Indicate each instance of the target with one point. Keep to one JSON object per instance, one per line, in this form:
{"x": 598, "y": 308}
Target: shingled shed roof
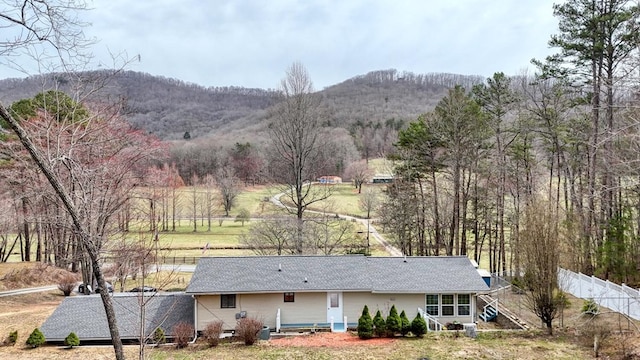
{"x": 263, "y": 274}
{"x": 85, "y": 315}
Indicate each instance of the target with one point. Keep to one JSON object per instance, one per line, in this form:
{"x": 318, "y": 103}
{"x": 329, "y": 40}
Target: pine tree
{"x": 72, "y": 340}
{"x": 365, "y": 324}
{"x": 393, "y": 323}
{"x": 379, "y": 326}
{"x": 36, "y": 338}
{"x": 419, "y": 326}
{"x": 406, "y": 324}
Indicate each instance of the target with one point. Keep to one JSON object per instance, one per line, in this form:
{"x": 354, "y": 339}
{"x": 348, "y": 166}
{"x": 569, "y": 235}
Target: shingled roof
{"x": 85, "y": 315}
{"x": 263, "y": 274}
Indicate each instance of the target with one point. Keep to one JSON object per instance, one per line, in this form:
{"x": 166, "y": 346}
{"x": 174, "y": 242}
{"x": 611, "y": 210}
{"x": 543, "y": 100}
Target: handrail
{"x": 493, "y": 304}
{"x": 437, "y": 325}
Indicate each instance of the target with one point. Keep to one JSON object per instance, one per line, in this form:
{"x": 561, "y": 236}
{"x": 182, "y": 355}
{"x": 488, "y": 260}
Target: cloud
{"x": 251, "y": 42}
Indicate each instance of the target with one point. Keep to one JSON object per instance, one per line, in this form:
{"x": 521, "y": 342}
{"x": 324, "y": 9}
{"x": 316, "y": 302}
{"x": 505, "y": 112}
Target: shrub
{"x": 11, "y": 339}
{"x": 590, "y": 307}
{"x": 418, "y": 326}
{"x": 212, "y": 333}
{"x": 247, "y": 330}
{"x": 158, "y": 336}
{"x": 182, "y": 334}
{"x": 67, "y": 283}
{"x": 72, "y": 340}
{"x": 365, "y": 324}
{"x": 406, "y": 324}
{"x": 393, "y": 323}
{"x": 36, "y": 338}
{"x": 379, "y": 328}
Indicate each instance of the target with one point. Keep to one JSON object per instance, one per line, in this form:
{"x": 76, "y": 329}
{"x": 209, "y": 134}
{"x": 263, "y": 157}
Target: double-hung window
{"x": 433, "y": 305}
{"x": 464, "y": 304}
{"x": 447, "y": 305}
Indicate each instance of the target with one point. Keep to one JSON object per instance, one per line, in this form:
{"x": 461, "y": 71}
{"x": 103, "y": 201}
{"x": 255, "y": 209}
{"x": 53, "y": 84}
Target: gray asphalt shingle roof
{"x": 255, "y": 274}
{"x": 85, "y": 315}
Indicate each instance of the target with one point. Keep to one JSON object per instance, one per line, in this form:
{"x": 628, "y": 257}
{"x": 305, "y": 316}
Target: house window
{"x": 447, "y": 305}
{"x": 432, "y": 305}
{"x": 289, "y": 297}
{"x": 464, "y": 304}
{"x": 334, "y": 300}
{"x": 227, "y": 301}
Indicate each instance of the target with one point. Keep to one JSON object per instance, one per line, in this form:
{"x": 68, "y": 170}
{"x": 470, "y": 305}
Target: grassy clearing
{"x": 434, "y": 347}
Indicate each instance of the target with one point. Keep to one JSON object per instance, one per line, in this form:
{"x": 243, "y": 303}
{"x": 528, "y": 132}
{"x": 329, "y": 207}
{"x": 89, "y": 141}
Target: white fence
{"x": 620, "y": 298}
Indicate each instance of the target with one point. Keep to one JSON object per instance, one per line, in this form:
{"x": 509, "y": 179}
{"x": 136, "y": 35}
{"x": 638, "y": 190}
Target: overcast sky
{"x": 250, "y": 43}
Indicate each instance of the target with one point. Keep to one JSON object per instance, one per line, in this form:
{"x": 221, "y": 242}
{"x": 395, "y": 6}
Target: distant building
{"x": 382, "y": 179}
{"x": 330, "y": 179}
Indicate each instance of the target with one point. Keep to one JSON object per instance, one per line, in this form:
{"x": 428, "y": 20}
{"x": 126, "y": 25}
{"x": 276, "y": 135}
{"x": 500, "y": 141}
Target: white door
{"x": 334, "y": 307}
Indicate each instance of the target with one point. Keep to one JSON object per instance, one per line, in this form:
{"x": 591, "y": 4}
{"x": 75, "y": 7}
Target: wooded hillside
{"x": 168, "y": 108}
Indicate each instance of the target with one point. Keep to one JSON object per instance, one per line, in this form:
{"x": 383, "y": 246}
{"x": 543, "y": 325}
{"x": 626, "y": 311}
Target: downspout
{"x": 195, "y": 322}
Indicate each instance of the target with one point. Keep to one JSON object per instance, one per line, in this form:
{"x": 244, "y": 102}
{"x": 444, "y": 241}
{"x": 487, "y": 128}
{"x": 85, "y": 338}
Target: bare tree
{"x": 53, "y": 25}
{"x": 359, "y": 172}
{"x": 539, "y": 249}
{"x": 228, "y": 187}
{"x": 294, "y": 133}
{"x": 369, "y": 201}
{"x": 271, "y": 237}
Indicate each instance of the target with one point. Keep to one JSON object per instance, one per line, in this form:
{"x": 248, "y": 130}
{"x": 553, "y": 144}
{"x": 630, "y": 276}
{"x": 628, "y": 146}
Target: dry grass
{"x": 24, "y": 313}
{"x": 24, "y": 275}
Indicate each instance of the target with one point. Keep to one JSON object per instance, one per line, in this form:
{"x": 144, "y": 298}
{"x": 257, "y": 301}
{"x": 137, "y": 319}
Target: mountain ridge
{"x": 169, "y": 108}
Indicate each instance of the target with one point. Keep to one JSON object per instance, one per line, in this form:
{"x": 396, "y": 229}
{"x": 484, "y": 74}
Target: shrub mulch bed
{"x": 328, "y": 339}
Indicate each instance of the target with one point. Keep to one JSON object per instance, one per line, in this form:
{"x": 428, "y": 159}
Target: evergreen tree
{"x": 393, "y": 323}
{"x": 419, "y": 326}
{"x": 365, "y": 324}
{"x": 72, "y": 340}
{"x": 379, "y": 328}
{"x": 158, "y": 336}
{"x": 406, "y": 323}
{"x": 36, "y": 338}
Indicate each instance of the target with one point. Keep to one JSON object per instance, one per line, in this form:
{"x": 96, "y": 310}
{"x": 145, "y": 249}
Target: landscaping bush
{"x": 72, "y": 340}
{"x": 182, "y": 334}
{"x": 247, "y": 330}
{"x": 365, "y": 324}
{"x": 393, "y": 323}
{"x": 454, "y": 326}
{"x": 406, "y": 324}
{"x": 158, "y": 336}
{"x": 418, "y": 326}
{"x": 379, "y": 325}
{"x": 67, "y": 283}
{"x": 36, "y": 338}
{"x": 11, "y": 339}
{"x": 212, "y": 333}
{"x": 590, "y": 307}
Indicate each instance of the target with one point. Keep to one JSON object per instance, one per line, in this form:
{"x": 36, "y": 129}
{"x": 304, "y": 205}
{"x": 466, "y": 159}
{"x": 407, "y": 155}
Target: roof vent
{"x": 279, "y": 267}
{"x": 305, "y": 280}
{"x": 405, "y": 258}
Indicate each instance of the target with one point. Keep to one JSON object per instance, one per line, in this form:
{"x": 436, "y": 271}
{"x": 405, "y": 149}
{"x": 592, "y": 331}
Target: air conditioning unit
{"x": 241, "y": 315}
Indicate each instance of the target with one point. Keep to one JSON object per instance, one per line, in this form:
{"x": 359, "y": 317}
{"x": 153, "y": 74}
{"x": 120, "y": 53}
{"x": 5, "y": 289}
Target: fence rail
{"x": 620, "y": 298}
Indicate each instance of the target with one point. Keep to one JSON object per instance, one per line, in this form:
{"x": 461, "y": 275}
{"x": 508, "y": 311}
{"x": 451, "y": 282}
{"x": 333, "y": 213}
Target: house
{"x": 382, "y": 179}
{"x": 85, "y": 316}
{"x": 306, "y": 291}
{"x": 330, "y": 179}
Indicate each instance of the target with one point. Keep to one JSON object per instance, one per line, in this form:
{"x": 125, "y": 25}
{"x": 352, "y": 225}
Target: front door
{"x": 334, "y": 307}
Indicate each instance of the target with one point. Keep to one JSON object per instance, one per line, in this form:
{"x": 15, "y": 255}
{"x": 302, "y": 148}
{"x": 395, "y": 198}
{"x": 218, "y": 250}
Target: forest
{"x": 472, "y": 156}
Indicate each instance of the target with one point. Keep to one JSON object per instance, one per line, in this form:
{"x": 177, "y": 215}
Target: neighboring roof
{"x": 257, "y": 274}
{"x": 85, "y": 315}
